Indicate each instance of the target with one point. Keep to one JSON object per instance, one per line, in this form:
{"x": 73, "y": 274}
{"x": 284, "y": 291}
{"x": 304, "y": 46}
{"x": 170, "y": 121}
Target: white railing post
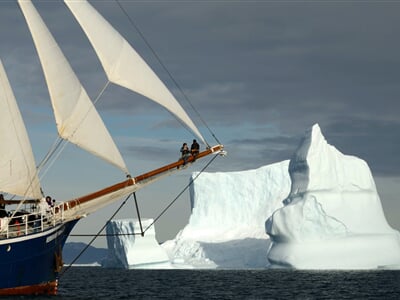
{"x": 26, "y": 224}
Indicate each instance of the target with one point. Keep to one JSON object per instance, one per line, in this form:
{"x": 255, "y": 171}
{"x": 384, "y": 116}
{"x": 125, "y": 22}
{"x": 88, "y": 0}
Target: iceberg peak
{"x": 333, "y": 217}
{"x": 319, "y": 166}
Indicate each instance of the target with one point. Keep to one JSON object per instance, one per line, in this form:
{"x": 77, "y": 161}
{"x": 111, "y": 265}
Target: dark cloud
{"x": 245, "y": 64}
{"x": 258, "y": 72}
{"x": 375, "y": 141}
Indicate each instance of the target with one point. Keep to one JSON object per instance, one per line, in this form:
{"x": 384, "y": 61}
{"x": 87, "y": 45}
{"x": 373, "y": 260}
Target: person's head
{"x": 184, "y": 144}
{"x": 194, "y": 141}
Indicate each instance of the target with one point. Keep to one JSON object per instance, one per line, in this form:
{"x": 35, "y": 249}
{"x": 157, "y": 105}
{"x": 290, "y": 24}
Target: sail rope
{"x": 138, "y": 214}
{"x": 134, "y": 25}
{"x": 60, "y": 143}
{"x": 56, "y": 145}
{"x": 54, "y": 156}
{"x": 94, "y": 237}
{"x": 56, "y": 149}
{"x": 180, "y": 194}
{"x": 142, "y": 231}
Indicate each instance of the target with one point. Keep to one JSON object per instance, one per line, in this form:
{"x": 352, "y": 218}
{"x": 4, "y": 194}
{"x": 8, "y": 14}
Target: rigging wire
{"x": 138, "y": 214}
{"x": 50, "y": 153}
{"x": 159, "y": 216}
{"x": 167, "y": 71}
{"x": 57, "y": 148}
{"x": 60, "y": 143}
{"x": 54, "y": 156}
{"x": 95, "y": 236}
{"x": 180, "y": 194}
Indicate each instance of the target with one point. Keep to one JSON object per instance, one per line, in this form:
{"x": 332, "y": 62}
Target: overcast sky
{"x": 258, "y": 72}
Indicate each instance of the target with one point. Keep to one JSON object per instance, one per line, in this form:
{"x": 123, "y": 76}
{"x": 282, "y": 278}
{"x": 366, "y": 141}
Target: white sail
{"x": 122, "y": 64}
{"x": 76, "y": 117}
{"x": 17, "y": 166}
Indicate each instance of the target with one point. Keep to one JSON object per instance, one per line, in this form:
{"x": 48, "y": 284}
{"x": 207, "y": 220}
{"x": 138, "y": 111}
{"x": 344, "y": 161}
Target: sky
{"x": 259, "y": 73}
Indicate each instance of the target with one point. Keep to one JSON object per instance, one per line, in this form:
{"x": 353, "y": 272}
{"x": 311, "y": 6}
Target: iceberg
{"x": 333, "y": 217}
{"x": 127, "y": 249}
{"x": 320, "y": 210}
{"x": 226, "y": 228}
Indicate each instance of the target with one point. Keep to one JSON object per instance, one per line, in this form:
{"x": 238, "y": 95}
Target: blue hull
{"x": 30, "y": 263}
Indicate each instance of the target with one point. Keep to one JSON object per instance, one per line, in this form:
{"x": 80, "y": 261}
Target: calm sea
{"x": 99, "y": 283}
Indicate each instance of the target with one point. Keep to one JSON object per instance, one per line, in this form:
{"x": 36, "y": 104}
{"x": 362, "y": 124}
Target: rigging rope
{"x": 168, "y": 72}
{"x": 60, "y": 141}
{"x": 57, "y": 143}
{"x": 56, "y": 149}
{"x": 180, "y": 194}
{"x": 159, "y": 216}
{"x": 94, "y": 237}
{"x": 138, "y": 214}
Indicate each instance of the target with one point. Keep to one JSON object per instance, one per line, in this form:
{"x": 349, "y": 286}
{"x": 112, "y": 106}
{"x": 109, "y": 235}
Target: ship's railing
{"x": 24, "y": 222}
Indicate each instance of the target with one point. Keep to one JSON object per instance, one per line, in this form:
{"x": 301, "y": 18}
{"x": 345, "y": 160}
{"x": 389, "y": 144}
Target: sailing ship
{"x": 33, "y": 235}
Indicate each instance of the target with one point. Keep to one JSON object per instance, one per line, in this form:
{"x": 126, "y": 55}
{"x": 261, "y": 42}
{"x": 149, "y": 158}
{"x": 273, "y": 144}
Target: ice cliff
{"x": 226, "y": 227}
{"x": 129, "y": 251}
{"x": 332, "y": 218}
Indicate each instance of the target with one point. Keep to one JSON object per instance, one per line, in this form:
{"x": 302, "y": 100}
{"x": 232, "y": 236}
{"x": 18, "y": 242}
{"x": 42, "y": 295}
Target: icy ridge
{"x": 228, "y": 216}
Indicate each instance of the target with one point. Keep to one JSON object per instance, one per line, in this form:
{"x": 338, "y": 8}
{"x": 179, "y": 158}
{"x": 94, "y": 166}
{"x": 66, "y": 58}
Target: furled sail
{"x": 122, "y": 64}
{"x": 76, "y": 117}
{"x": 17, "y": 166}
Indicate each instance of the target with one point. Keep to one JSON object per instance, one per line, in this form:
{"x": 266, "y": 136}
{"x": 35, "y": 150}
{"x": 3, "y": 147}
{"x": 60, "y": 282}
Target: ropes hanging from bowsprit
{"x": 142, "y": 232}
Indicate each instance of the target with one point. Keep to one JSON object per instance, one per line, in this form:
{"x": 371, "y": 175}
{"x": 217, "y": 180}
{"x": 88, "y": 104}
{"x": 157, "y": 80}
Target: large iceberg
{"x": 320, "y": 210}
{"x": 127, "y": 249}
{"x": 226, "y": 228}
{"x": 333, "y": 218}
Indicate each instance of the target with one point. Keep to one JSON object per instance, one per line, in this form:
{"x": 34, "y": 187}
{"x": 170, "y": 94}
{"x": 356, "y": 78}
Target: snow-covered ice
{"x": 333, "y": 217}
{"x": 226, "y": 226}
{"x": 133, "y": 251}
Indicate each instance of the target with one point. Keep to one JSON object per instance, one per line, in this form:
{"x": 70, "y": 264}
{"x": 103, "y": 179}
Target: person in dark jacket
{"x": 195, "y": 148}
{"x": 185, "y": 153}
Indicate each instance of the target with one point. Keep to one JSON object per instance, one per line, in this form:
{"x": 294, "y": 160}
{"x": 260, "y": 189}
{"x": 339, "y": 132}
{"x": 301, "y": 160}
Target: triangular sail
{"x": 122, "y": 64}
{"x": 77, "y": 119}
{"x": 17, "y": 165}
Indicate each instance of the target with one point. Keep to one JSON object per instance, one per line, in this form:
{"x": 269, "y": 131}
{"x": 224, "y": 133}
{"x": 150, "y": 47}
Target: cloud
{"x": 375, "y": 141}
{"x": 258, "y": 72}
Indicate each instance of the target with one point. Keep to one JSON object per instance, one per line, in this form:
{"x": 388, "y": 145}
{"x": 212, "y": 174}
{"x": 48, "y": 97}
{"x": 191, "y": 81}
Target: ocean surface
{"x": 99, "y": 283}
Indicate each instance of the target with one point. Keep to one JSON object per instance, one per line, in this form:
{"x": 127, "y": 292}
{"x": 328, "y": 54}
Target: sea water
{"x": 99, "y": 283}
